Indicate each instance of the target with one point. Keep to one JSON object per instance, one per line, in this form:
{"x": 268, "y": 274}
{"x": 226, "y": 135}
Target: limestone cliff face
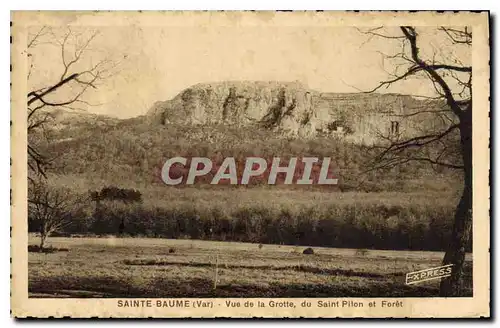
{"x": 286, "y": 106}
{"x": 290, "y": 108}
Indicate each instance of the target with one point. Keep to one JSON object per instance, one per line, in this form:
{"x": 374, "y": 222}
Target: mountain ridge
{"x": 288, "y": 107}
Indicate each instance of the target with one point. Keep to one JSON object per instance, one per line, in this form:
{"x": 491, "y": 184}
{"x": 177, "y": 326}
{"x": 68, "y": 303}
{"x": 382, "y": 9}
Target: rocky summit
{"x": 291, "y": 108}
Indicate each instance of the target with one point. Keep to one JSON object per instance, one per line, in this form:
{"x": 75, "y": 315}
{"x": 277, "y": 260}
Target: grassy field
{"x": 154, "y": 267}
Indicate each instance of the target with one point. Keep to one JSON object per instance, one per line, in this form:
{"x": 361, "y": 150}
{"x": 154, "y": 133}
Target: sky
{"x": 155, "y": 63}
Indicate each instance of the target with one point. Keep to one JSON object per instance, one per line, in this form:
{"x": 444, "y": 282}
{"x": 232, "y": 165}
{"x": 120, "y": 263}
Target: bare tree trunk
{"x": 43, "y": 237}
{"x": 462, "y": 226}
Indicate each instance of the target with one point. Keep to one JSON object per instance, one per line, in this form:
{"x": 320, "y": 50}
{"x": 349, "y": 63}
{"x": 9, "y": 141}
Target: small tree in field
{"x": 51, "y": 209}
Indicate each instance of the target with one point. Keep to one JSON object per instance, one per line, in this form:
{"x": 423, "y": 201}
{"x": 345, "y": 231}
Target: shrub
{"x": 308, "y": 251}
{"x": 37, "y": 249}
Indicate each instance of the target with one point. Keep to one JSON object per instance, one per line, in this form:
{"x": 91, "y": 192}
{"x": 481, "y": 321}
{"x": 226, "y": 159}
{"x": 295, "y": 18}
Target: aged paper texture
{"x": 250, "y": 164}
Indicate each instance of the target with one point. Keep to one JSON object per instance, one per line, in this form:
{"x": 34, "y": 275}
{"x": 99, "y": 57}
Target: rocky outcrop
{"x": 286, "y": 106}
{"x": 290, "y": 108}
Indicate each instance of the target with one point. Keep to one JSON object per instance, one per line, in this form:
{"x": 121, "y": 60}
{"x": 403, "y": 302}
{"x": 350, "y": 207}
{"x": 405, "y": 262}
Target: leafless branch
{"x": 74, "y": 82}
{"x": 458, "y": 36}
{"x": 35, "y": 39}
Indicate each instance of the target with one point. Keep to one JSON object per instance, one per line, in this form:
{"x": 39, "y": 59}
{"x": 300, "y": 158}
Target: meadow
{"x": 154, "y": 267}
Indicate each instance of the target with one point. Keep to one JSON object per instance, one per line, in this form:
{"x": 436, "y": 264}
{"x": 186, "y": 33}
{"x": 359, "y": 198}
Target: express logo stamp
{"x": 428, "y": 274}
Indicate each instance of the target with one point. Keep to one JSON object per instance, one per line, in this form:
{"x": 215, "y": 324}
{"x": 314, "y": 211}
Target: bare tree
{"x": 51, "y": 209}
{"x": 79, "y": 74}
{"x": 447, "y": 144}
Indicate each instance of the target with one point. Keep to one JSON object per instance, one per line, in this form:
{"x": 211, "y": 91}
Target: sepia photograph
{"x": 199, "y": 160}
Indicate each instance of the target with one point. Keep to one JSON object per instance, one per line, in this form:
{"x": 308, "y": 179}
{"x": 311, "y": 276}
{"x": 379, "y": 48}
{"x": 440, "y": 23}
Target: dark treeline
{"x": 346, "y": 226}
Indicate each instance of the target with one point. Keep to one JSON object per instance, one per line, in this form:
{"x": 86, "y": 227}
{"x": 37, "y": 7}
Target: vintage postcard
{"x": 250, "y": 164}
